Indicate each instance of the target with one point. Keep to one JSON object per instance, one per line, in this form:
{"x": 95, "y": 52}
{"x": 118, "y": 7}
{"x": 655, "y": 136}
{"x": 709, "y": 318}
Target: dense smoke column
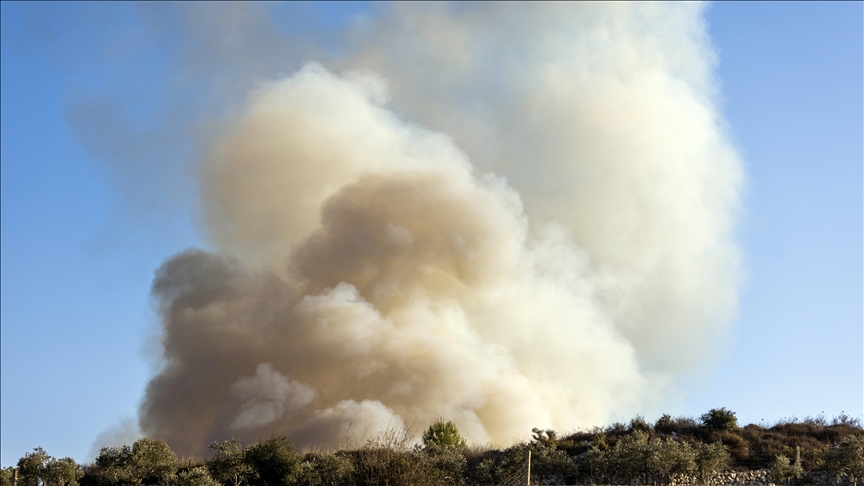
{"x": 551, "y": 252}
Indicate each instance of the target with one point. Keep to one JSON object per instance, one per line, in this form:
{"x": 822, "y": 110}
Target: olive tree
{"x": 710, "y": 457}
{"x": 111, "y": 465}
{"x": 37, "y": 468}
{"x": 639, "y": 452}
{"x": 6, "y": 476}
{"x": 146, "y": 459}
{"x": 151, "y": 459}
{"x": 275, "y": 461}
{"x": 783, "y": 470}
{"x": 669, "y": 457}
{"x": 31, "y": 468}
{"x": 847, "y": 458}
{"x": 228, "y": 463}
{"x": 62, "y": 472}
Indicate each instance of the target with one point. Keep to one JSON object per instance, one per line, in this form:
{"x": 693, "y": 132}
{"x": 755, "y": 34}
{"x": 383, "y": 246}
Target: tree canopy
{"x": 443, "y": 435}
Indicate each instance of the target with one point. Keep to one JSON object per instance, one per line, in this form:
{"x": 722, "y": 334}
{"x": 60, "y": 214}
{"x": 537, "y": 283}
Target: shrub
{"x": 326, "y": 470}
{"x": 720, "y": 419}
{"x": 616, "y": 429}
{"x": 197, "y": 476}
{"x": 638, "y": 423}
{"x": 391, "y": 459}
{"x": 448, "y": 465}
{"x": 666, "y": 424}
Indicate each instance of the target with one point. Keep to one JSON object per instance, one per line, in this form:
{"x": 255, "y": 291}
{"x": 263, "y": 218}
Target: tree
{"x": 720, "y": 419}
{"x": 443, "y": 435}
{"x": 32, "y": 468}
{"x": 274, "y": 460}
{"x": 639, "y": 452}
{"x": 112, "y": 465}
{"x": 151, "y": 459}
{"x": 710, "y": 457}
{"x": 783, "y": 470}
{"x": 228, "y": 464}
{"x": 37, "y": 468}
{"x": 847, "y": 458}
{"x": 597, "y": 460}
{"x": 146, "y": 459}
{"x": 62, "y": 472}
{"x": 669, "y": 457}
{"x": 6, "y": 475}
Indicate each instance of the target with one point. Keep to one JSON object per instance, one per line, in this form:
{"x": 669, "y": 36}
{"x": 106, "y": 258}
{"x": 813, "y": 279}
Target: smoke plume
{"x": 508, "y": 216}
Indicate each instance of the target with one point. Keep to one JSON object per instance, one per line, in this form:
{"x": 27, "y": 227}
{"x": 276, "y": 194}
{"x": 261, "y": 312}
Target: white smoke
{"x": 510, "y": 216}
{"x": 267, "y": 396}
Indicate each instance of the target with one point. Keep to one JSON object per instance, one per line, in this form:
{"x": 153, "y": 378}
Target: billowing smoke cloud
{"x": 508, "y": 216}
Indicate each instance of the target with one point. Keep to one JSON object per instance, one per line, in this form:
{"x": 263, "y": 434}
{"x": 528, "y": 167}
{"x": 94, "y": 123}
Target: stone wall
{"x": 737, "y": 478}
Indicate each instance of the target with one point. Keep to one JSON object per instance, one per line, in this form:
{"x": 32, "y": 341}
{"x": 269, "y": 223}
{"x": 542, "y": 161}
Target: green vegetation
{"x": 443, "y": 435}
{"x": 668, "y": 449}
{"x": 38, "y": 468}
{"x": 720, "y": 419}
{"x": 846, "y": 458}
{"x": 783, "y": 471}
{"x": 148, "y": 461}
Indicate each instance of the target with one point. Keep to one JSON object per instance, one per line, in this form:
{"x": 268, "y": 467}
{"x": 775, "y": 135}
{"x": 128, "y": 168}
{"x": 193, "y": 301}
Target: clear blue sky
{"x": 80, "y": 239}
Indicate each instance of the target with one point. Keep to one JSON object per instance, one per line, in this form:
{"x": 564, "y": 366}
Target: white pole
{"x": 529, "y": 467}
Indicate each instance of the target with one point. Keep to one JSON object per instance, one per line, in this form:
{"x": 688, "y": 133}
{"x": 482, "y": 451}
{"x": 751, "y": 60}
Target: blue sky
{"x": 81, "y": 239}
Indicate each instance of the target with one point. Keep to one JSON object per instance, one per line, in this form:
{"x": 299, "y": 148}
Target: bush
{"x": 638, "y": 423}
{"x": 326, "y": 470}
{"x": 509, "y": 466}
{"x": 720, "y": 419}
{"x": 197, "y": 476}
{"x": 666, "y": 424}
{"x": 448, "y": 465}
{"x": 384, "y": 466}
